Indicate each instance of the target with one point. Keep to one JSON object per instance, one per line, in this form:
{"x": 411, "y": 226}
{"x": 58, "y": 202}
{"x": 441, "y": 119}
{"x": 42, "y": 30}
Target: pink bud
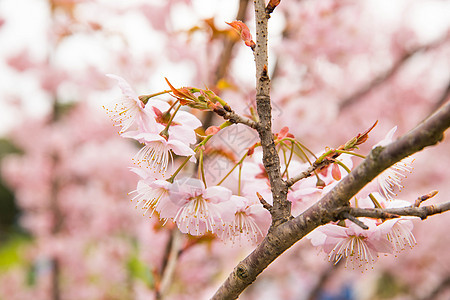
{"x": 212, "y": 130}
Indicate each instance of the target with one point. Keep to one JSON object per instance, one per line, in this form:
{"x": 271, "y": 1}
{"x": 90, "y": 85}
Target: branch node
{"x": 264, "y": 74}
{"x": 241, "y": 271}
{"x": 348, "y": 216}
{"x": 264, "y": 202}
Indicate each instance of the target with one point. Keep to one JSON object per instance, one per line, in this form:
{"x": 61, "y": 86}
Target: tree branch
{"x": 386, "y": 75}
{"x": 327, "y": 274}
{"x": 445, "y": 284}
{"x": 281, "y": 207}
{"x": 281, "y": 237}
{"x": 308, "y": 172}
{"x": 389, "y": 213}
{"x": 235, "y": 118}
{"x": 170, "y": 262}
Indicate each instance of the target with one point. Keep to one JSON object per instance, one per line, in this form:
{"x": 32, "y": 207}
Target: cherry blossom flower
{"x": 149, "y": 193}
{"x": 130, "y": 110}
{"x": 157, "y": 151}
{"x": 251, "y": 221}
{"x": 390, "y": 180}
{"x": 357, "y": 246}
{"x": 400, "y": 234}
{"x": 399, "y": 230}
{"x": 195, "y": 209}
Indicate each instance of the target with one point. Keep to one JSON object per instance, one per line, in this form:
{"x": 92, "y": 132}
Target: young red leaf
{"x": 244, "y": 33}
{"x": 181, "y": 93}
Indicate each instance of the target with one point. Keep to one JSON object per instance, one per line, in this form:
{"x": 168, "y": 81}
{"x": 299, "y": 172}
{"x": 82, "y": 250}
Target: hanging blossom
{"x": 390, "y": 180}
{"x": 400, "y": 233}
{"x": 251, "y": 221}
{"x": 149, "y": 193}
{"x": 196, "y": 209}
{"x": 156, "y": 154}
{"x": 151, "y": 120}
{"x": 130, "y": 110}
{"x": 358, "y": 247}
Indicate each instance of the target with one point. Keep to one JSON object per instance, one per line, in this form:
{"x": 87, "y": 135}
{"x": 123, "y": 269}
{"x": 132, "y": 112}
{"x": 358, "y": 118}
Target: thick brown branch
{"x": 281, "y": 237}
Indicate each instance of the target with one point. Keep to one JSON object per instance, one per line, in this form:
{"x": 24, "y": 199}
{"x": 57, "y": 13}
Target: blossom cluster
{"x": 360, "y": 247}
{"x": 164, "y": 130}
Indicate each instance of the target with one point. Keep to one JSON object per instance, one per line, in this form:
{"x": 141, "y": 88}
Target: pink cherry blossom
{"x": 400, "y": 233}
{"x": 390, "y": 180}
{"x": 399, "y": 230}
{"x": 357, "y": 246}
{"x": 130, "y": 110}
{"x": 149, "y": 193}
{"x": 21, "y": 61}
{"x": 251, "y": 222}
{"x": 196, "y": 209}
{"x": 157, "y": 151}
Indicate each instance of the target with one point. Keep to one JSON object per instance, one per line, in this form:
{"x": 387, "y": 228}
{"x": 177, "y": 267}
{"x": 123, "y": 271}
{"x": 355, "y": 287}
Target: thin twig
{"x": 225, "y": 58}
{"x": 315, "y": 292}
{"x": 264, "y": 202}
{"x": 235, "y": 118}
{"x": 445, "y": 284}
{"x": 172, "y": 259}
{"x": 271, "y": 7}
{"x": 308, "y": 172}
{"x": 423, "y": 198}
{"x": 389, "y": 213}
{"x": 348, "y": 216}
